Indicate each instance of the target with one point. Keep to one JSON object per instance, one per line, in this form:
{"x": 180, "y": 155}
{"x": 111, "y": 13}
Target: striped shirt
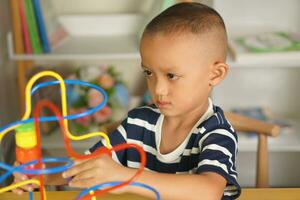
{"x": 211, "y": 146}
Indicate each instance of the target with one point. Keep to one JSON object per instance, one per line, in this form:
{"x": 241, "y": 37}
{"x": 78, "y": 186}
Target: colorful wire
{"x": 60, "y": 81}
{"x": 3, "y": 130}
{"x": 101, "y": 150}
{"x": 110, "y": 184}
{"x": 63, "y": 121}
{"x": 21, "y": 168}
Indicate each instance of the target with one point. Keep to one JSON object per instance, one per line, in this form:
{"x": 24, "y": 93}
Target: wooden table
{"x": 67, "y": 195}
{"x": 270, "y": 194}
{"x": 247, "y": 194}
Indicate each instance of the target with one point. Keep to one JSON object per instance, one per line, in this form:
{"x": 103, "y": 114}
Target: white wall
{"x": 100, "y": 7}
{"x": 274, "y": 88}
{"x": 283, "y": 169}
{"x": 257, "y": 14}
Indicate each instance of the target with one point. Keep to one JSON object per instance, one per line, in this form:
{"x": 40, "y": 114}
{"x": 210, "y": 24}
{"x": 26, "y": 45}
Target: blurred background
{"x": 97, "y": 41}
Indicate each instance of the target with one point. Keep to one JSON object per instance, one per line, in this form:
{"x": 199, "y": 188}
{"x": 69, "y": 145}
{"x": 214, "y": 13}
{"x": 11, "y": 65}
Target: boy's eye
{"x": 172, "y": 76}
{"x": 147, "y": 73}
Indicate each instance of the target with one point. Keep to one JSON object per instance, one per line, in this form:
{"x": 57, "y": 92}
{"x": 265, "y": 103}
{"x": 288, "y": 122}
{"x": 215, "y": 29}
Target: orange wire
{"x": 138, "y": 173}
{"x": 72, "y": 153}
{"x": 37, "y": 132}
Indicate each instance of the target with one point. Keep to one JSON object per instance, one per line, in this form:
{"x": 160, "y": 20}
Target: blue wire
{"x": 69, "y": 117}
{"x": 69, "y": 162}
{"x": 30, "y": 195}
{"x": 54, "y": 170}
{"x": 21, "y": 169}
{"x": 110, "y": 184}
{"x": 10, "y": 169}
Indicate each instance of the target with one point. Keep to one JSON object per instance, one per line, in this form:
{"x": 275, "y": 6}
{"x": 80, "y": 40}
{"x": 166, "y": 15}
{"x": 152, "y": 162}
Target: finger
{"x": 84, "y": 175}
{"x": 78, "y": 169}
{"x": 77, "y": 162}
{"x": 16, "y": 163}
{"x": 41, "y": 165}
{"x": 83, "y": 183}
{"x": 17, "y": 191}
{"x": 28, "y": 188}
{"x": 34, "y": 186}
{"x": 19, "y": 176}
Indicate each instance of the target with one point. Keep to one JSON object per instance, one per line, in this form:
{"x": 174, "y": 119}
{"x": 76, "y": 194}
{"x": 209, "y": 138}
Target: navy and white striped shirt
{"x": 211, "y": 146}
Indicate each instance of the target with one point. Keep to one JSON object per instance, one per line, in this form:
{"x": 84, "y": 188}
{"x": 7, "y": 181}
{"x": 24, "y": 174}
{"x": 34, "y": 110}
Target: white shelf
{"x": 244, "y": 58}
{"x": 121, "y": 47}
{"x": 86, "y": 48}
{"x": 93, "y": 37}
{"x": 287, "y": 141}
{"x": 244, "y": 18}
{"x": 272, "y": 60}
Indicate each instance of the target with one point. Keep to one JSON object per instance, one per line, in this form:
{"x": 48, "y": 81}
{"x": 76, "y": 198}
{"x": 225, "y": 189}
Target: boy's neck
{"x": 187, "y": 120}
{"x": 178, "y": 128}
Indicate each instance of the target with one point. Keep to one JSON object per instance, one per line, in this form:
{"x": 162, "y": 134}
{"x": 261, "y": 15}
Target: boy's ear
{"x": 218, "y": 72}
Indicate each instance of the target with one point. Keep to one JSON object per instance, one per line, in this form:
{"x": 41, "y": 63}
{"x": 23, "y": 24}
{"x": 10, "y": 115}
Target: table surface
{"x": 247, "y": 194}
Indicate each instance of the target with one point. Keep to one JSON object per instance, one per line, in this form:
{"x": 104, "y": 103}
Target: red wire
{"x": 45, "y": 103}
{"x": 139, "y": 171}
{"x": 37, "y": 132}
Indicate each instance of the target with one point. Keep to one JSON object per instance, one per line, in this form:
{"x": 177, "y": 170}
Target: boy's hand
{"x": 18, "y": 177}
{"x": 87, "y": 173}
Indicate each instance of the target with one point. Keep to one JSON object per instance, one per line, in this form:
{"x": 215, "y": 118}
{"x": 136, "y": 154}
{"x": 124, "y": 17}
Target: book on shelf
{"x": 38, "y": 25}
{"x": 41, "y": 26}
{"x": 16, "y": 27}
{"x": 32, "y": 27}
{"x": 267, "y": 45}
{"x": 24, "y": 27}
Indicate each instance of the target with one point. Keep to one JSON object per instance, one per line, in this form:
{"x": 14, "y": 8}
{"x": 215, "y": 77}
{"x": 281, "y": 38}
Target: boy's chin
{"x": 168, "y": 112}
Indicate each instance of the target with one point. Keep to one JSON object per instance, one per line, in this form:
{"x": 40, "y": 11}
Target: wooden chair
{"x": 263, "y": 129}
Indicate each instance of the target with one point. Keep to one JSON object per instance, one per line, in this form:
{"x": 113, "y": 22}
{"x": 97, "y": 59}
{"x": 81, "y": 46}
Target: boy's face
{"x": 177, "y": 69}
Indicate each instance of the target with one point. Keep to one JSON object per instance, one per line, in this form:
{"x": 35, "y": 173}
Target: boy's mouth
{"x": 162, "y": 104}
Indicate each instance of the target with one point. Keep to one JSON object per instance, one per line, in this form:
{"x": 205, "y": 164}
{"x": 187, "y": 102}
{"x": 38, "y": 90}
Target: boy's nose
{"x": 161, "y": 88}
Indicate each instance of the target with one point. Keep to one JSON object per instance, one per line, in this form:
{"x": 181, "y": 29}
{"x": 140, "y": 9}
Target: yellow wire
{"x": 92, "y": 193}
{"x": 64, "y": 108}
{"x": 16, "y": 185}
{"x": 65, "y": 121}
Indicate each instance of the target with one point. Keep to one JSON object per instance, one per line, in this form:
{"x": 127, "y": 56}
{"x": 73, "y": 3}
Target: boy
{"x": 190, "y": 146}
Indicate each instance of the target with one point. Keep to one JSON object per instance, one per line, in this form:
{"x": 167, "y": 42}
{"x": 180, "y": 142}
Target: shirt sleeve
{"x": 218, "y": 154}
{"x": 118, "y": 136}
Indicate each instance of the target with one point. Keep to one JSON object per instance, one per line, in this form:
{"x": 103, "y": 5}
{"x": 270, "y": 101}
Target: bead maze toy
{"x": 28, "y": 142}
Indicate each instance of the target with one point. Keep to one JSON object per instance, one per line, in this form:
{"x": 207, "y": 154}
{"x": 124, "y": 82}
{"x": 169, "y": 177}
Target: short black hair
{"x": 186, "y": 17}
